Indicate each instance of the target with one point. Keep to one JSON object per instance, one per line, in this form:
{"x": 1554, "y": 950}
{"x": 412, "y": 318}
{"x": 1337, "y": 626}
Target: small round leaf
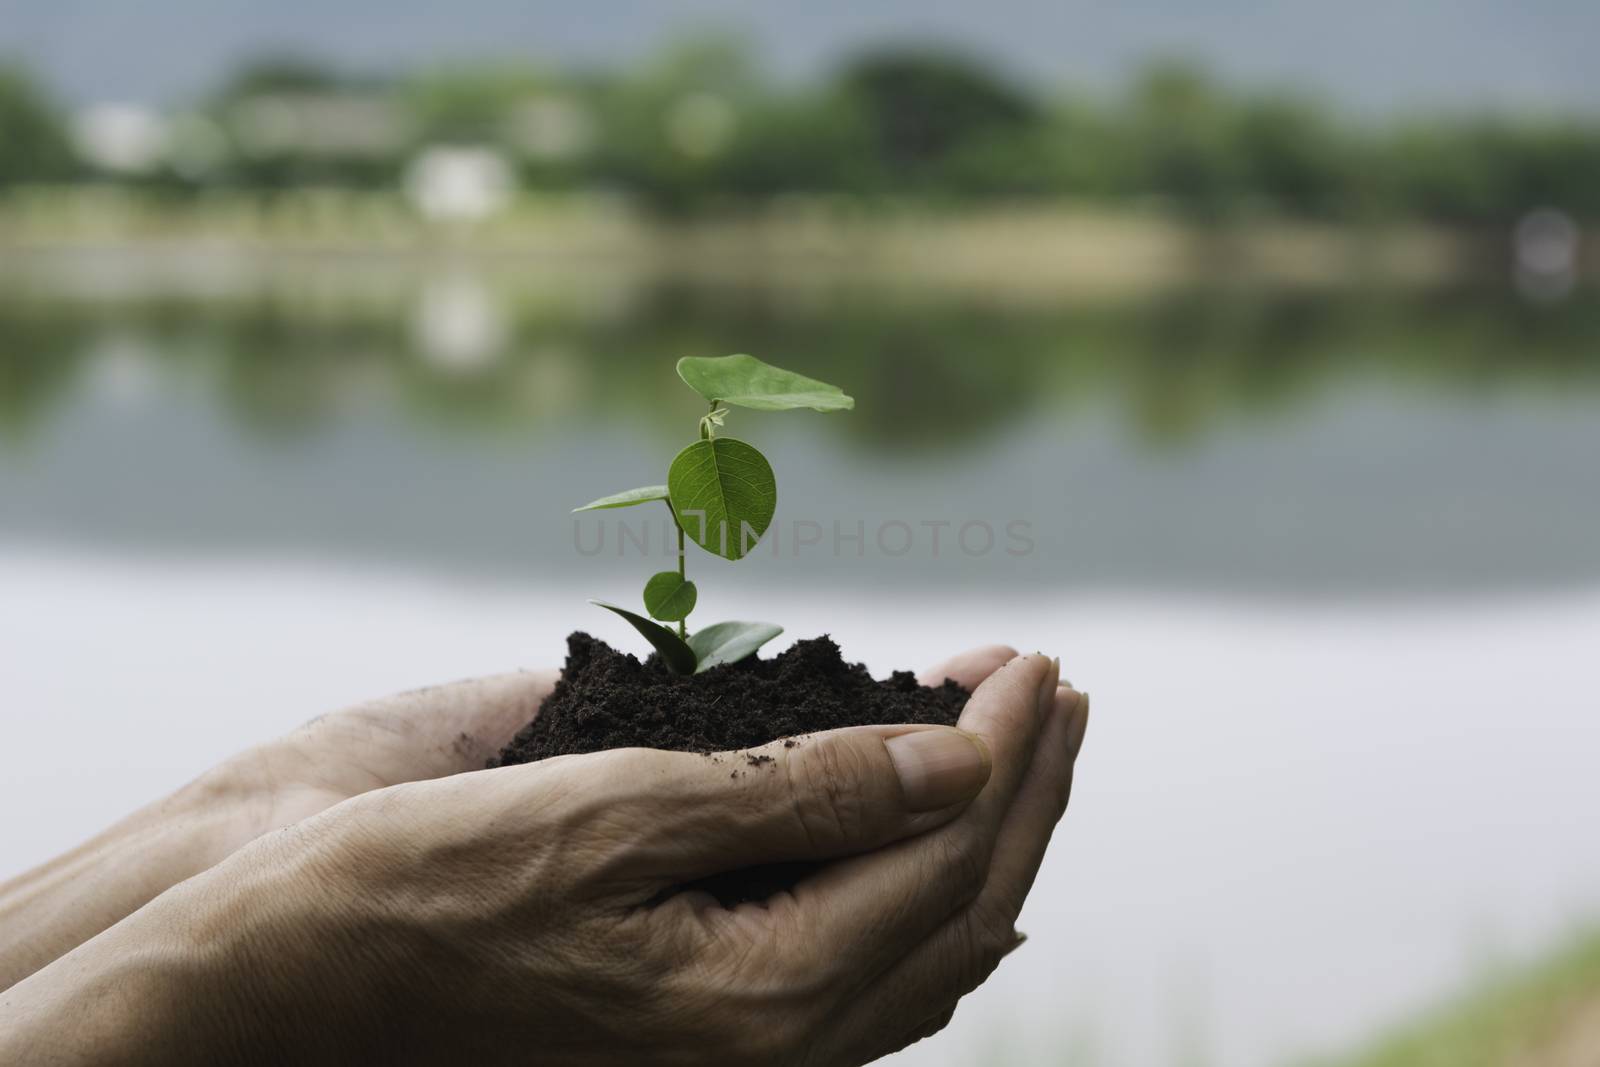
{"x": 669, "y": 596}
{"x": 723, "y": 494}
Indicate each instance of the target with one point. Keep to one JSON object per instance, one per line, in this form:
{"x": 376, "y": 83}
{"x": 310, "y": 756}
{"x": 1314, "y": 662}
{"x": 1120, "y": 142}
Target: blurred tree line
{"x": 698, "y": 129}
{"x": 1174, "y": 368}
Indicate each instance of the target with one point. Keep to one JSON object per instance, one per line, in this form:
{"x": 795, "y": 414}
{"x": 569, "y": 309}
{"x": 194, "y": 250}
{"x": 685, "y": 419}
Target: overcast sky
{"x": 1370, "y": 54}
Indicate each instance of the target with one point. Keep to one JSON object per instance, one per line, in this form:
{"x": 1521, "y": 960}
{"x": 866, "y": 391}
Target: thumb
{"x": 806, "y": 798}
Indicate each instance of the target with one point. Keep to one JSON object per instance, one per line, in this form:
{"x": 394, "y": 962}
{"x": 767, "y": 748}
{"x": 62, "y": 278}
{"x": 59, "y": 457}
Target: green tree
{"x": 33, "y": 142}
{"x": 925, "y": 109}
{"x": 1291, "y": 153}
{"x": 668, "y": 133}
{"x": 1179, "y": 121}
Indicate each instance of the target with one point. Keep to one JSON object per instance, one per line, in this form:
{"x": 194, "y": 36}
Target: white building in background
{"x": 319, "y": 124}
{"x": 459, "y": 183}
{"x": 119, "y": 136}
{"x": 1545, "y": 247}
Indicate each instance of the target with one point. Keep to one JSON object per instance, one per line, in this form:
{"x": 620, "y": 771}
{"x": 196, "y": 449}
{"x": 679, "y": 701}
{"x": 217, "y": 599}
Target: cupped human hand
{"x": 422, "y": 734}
{"x": 540, "y": 912}
{"x": 409, "y": 737}
{"x": 1009, "y": 826}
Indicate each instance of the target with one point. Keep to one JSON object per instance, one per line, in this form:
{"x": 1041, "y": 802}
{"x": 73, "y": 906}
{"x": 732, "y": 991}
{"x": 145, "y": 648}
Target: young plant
{"x": 722, "y": 495}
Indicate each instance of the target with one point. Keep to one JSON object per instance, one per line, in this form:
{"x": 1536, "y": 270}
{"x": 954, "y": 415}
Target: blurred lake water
{"x": 1329, "y": 442}
{"x": 1328, "y": 559}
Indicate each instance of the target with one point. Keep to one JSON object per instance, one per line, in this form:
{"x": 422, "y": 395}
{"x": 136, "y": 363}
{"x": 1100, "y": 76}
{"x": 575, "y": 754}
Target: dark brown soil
{"x": 608, "y": 699}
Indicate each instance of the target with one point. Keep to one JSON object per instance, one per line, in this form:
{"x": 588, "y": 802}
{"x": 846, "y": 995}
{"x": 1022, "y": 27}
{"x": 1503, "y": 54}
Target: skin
{"x": 355, "y": 891}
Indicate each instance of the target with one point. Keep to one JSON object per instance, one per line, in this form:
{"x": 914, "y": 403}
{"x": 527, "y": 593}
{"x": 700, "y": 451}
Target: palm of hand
{"x": 409, "y": 737}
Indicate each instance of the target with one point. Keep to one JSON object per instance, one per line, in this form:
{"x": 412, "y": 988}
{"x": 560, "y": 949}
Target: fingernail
{"x": 938, "y": 767}
{"x": 1080, "y": 723}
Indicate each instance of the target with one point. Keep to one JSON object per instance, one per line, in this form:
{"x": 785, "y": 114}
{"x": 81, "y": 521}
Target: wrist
{"x": 294, "y": 967}
{"x": 239, "y": 965}
{"x": 132, "y": 995}
{"x": 52, "y": 909}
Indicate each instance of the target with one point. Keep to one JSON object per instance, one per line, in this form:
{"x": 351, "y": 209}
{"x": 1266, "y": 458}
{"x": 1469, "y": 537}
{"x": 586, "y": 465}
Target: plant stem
{"x": 683, "y": 630}
{"x": 708, "y": 424}
{"x": 708, "y": 430}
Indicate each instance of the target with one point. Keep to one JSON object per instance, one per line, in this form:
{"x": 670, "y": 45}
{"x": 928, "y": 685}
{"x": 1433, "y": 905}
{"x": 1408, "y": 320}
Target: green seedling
{"x": 722, "y": 494}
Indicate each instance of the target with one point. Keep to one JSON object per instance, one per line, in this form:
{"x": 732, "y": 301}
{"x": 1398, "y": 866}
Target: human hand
{"x": 1012, "y": 821}
{"x": 423, "y": 734}
{"x": 534, "y": 910}
{"x": 409, "y": 737}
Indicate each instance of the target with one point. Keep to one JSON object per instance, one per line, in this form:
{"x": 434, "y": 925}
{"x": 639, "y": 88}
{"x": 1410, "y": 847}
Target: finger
{"x": 967, "y": 948}
{"x": 969, "y": 669}
{"x": 1038, "y": 808}
{"x": 813, "y": 798}
{"x": 892, "y": 1044}
{"x": 1007, "y": 712}
{"x": 854, "y": 918}
{"x": 438, "y": 730}
{"x": 920, "y": 1034}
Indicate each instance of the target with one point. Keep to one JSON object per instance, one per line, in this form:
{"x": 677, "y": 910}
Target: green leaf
{"x": 723, "y": 495}
{"x": 627, "y": 498}
{"x": 669, "y": 596}
{"x": 746, "y": 382}
{"x": 675, "y": 651}
{"x": 729, "y": 642}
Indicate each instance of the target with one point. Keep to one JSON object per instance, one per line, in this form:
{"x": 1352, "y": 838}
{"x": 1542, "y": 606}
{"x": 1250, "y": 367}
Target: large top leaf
{"x": 746, "y": 382}
{"x": 723, "y": 495}
{"x": 627, "y": 498}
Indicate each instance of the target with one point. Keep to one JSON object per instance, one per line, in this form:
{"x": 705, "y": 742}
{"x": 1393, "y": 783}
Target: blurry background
{"x": 1279, "y": 328}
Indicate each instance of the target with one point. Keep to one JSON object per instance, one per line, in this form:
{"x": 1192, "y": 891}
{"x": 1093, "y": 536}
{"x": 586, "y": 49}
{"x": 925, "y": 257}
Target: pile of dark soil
{"x": 608, "y": 699}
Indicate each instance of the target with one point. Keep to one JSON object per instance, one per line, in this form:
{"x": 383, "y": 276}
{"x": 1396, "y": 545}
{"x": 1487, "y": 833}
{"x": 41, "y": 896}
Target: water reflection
{"x": 1351, "y": 439}
{"x": 478, "y": 353}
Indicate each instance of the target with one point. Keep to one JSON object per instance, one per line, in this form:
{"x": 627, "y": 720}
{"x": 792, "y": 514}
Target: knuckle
{"x": 964, "y": 866}
{"x": 1063, "y": 792}
{"x": 827, "y": 791}
{"x": 933, "y": 1026}
{"x": 993, "y": 935}
{"x": 983, "y": 939}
